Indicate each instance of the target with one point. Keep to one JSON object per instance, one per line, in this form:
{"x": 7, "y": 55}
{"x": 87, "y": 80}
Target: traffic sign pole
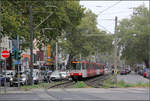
{"x": 5, "y": 77}
{"x": 5, "y": 54}
{"x": 18, "y": 76}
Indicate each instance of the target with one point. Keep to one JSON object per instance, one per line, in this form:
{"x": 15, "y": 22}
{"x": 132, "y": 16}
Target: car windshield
{"x": 63, "y": 73}
{"x": 35, "y": 74}
{"x": 23, "y": 75}
{"x": 55, "y": 73}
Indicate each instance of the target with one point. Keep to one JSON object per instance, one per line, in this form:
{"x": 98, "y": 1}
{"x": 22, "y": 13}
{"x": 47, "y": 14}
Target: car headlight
{"x": 23, "y": 79}
{"x": 11, "y": 79}
{"x": 34, "y": 78}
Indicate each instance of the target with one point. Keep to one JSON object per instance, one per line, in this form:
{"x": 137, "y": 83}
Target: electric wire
{"x": 109, "y": 7}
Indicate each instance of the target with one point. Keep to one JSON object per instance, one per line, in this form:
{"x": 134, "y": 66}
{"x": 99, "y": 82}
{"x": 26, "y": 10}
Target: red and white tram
{"x": 84, "y": 69}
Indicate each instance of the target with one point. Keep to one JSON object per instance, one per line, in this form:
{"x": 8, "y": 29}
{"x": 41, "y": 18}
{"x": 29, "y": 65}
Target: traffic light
{"x": 18, "y": 55}
{"x": 14, "y": 54}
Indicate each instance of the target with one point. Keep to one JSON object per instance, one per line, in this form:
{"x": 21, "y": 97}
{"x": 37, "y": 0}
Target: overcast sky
{"x": 116, "y": 8}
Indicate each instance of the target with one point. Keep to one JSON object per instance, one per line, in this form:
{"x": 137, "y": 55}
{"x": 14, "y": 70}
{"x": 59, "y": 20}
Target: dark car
{"x": 123, "y": 72}
{"x": 127, "y": 71}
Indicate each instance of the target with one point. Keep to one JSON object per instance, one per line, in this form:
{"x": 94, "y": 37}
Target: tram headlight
{"x": 80, "y": 73}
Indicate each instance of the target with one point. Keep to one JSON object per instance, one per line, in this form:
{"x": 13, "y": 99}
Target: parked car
{"x": 55, "y": 76}
{"x": 9, "y": 75}
{"x": 123, "y": 72}
{"x": 37, "y": 77}
{"x": 141, "y": 72}
{"x": 47, "y": 76}
{"x": 64, "y": 75}
{"x": 23, "y": 79}
{"x": 127, "y": 71}
{"x": 147, "y": 73}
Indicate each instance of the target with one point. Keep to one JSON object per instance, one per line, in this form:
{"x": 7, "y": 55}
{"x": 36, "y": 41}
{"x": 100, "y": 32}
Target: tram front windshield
{"x": 76, "y": 66}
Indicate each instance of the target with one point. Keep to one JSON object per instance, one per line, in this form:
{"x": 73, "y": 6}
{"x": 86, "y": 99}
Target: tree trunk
{"x": 146, "y": 63}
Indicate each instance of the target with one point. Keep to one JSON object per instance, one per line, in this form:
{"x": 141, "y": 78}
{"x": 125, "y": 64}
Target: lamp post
{"x": 31, "y": 39}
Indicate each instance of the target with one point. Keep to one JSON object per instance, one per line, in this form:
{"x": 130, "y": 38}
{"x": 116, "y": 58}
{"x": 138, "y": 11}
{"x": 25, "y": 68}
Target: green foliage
{"x": 134, "y": 34}
{"x": 80, "y": 84}
{"x": 121, "y": 84}
{"x": 78, "y": 41}
{"x": 63, "y": 16}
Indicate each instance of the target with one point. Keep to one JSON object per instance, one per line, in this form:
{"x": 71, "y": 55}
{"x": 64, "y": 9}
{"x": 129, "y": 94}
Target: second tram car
{"x": 85, "y": 69}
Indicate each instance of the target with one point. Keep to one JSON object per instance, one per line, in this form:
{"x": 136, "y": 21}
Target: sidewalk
{"x": 132, "y": 78}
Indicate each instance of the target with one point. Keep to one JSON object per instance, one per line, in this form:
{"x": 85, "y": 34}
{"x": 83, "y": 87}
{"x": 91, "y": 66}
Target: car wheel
{"x": 11, "y": 85}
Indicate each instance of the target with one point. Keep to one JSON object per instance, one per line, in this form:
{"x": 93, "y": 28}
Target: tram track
{"x": 97, "y": 81}
{"x": 65, "y": 84}
{"x": 94, "y": 82}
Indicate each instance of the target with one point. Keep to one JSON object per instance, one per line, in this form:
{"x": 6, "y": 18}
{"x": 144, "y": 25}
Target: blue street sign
{"x": 17, "y": 62}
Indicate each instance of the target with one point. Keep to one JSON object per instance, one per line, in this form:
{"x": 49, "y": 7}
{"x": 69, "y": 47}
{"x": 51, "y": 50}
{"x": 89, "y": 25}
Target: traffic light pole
{"x": 18, "y": 76}
{"x": 56, "y": 56}
{"x": 31, "y": 46}
{"x": 115, "y": 53}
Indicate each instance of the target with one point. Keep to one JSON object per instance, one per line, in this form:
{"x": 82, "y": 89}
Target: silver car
{"x": 56, "y": 75}
{"x": 64, "y": 75}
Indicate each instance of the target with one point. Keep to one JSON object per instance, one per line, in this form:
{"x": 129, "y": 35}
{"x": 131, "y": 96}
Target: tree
{"x": 78, "y": 42}
{"x": 134, "y": 34}
{"x": 62, "y": 16}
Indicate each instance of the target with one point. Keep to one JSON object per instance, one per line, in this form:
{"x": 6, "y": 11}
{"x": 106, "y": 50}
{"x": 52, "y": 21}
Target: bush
{"x": 121, "y": 84}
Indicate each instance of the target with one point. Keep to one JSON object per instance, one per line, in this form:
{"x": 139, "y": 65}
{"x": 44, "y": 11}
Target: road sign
{"x": 5, "y": 54}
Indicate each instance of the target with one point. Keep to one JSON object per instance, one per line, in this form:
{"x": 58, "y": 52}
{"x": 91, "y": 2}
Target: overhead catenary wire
{"x": 109, "y": 7}
{"x": 104, "y": 28}
{"x": 120, "y": 12}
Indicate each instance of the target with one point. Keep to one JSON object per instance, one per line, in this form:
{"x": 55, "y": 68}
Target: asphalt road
{"x": 132, "y": 78}
{"x": 79, "y": 94}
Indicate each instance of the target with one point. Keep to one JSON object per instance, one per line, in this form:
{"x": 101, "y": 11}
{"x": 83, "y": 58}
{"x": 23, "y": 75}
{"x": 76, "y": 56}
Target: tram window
{"x": 73, "y": 65}
{"x": 101, "y": 67}
{"x": 89, "y": 66}
{"x": 94, "y": 66}
{"x": 83, "y": 66}
{"x": 78, "y": 66}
